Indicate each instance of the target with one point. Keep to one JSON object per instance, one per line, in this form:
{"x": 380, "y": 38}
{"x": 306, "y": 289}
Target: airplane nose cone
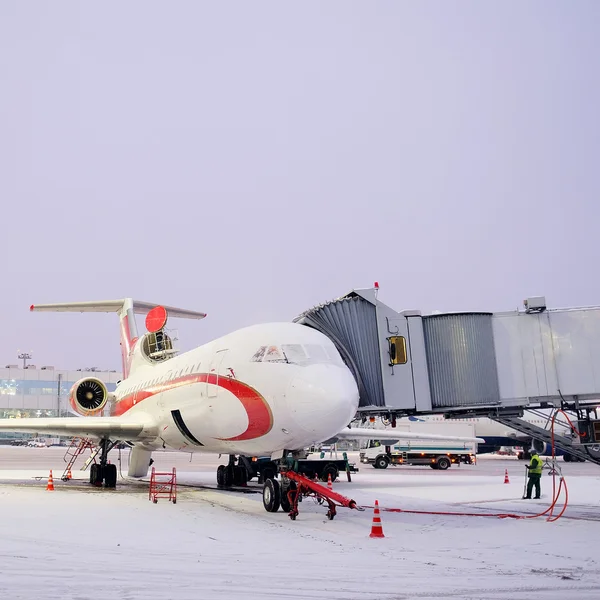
{"x": 323, "y": 399}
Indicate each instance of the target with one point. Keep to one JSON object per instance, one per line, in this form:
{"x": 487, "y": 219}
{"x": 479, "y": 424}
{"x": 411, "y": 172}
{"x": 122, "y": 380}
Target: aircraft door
{"x": 215, "y": 365}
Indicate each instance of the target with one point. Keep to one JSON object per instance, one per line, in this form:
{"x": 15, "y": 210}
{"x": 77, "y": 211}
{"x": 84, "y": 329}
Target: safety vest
{"x": 535, "y": 468}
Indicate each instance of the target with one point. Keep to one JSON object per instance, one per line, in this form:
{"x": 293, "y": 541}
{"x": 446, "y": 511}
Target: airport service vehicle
{"x": 265, "y": 390}
{"x": 439, "y": 454}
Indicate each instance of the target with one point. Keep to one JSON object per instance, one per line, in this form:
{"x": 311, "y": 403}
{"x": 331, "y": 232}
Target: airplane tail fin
{"x": 126, "y": 309}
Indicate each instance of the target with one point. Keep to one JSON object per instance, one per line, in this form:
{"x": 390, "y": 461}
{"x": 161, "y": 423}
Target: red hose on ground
{"x": 555, "y": 493}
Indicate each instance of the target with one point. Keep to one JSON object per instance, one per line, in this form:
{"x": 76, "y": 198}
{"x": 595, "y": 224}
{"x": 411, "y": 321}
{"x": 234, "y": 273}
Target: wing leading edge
{"x": 96, "y": 427}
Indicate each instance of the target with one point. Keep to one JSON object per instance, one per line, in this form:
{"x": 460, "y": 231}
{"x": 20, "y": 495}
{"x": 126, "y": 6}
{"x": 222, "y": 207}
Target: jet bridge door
{"x": 351, "y": 324}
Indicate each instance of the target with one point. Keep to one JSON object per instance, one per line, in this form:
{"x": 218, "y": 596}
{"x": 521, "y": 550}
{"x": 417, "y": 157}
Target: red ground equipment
{"x": 163, "y": 485}
{"x": 303, "y": 486}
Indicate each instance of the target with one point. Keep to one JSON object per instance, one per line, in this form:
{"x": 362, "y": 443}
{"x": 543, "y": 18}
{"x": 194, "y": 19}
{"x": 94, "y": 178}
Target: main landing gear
{"x": 233, "y": 474}
{"x": 104, "y": 472}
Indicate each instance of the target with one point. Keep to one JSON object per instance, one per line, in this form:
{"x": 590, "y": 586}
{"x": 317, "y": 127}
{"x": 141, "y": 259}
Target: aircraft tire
{"x": 271, "y": 495}
{"x": 240, "y": 476}
{"x": 109, "y": 474}
{"x": 221, "y": 475}
{"x": 228, "y": 476}
{"x": 95, "y": 474}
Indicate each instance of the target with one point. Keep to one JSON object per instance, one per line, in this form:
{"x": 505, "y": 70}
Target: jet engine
{"x": 88, "y": 396}
{"x": 541, "y": 447}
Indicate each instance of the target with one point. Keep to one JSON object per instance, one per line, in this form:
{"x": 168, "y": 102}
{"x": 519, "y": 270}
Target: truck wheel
{"x": 327, "y": 470}
{"x": 271, "y": 495}
{"x": 443, "y": 463}
{"x": 269, "y": 471}
{"x": 567, "y": 458}
{"x": 285, "y": 500}
{"x": 381, "y": 462}
{"x": 434, "y": 466}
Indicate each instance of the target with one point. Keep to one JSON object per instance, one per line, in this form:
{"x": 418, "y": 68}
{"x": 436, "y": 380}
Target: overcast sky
{"x": 253, "y": 159}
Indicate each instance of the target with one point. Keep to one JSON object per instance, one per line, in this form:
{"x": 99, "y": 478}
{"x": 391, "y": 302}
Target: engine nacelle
{"x": 541, "y": 448}
{"x": 88, "y": 396}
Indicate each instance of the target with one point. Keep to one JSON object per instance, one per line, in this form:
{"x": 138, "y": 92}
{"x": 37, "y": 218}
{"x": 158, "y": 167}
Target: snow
{"x": 83, "y": 543}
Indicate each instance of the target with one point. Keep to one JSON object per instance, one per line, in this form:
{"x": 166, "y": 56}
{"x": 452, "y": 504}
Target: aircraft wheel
{"x": 109, "y": 474}
{"x": 240, "y": 476}
{"x": 95, "y": 474}
{"x": 221, "y": 475}
{"x": 271, "y": 495}
{"x": 228, "y": 476}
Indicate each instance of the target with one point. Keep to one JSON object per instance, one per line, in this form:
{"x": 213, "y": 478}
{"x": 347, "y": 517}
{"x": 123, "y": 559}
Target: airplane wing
{"x": 114, "y": 428}
{"x": 391, "y": 434}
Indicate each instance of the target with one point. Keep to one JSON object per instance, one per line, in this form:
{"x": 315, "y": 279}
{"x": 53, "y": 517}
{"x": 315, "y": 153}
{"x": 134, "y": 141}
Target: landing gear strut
{"x": 103, "y": 471}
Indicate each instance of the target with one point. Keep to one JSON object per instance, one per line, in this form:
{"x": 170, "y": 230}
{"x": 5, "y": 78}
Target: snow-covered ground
{"x": 80, "y": 543}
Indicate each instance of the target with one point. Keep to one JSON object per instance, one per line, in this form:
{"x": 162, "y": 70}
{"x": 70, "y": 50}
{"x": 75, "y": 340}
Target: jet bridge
{"x": 408, "y": 363}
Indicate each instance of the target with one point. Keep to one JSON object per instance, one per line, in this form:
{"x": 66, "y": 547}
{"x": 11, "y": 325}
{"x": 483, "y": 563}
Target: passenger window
{"x": 397, "y": 350}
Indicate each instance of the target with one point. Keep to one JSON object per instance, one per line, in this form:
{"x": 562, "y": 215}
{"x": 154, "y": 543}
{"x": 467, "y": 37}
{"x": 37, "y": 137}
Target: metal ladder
{"x": 74, "y": 451}
{"x": 544, "y": 435}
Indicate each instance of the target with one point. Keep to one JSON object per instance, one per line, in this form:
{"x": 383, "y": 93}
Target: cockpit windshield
{"x": 298, "y": 354}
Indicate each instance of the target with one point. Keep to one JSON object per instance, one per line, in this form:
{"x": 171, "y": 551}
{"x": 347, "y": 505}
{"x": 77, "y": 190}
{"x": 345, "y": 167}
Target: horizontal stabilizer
{"x": 115, "y": 428}
{"x": 139, "y": 307}
{"x": 391, "y": 434}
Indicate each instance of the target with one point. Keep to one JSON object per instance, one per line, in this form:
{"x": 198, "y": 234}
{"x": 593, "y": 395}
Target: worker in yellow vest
{"x": 535, "y": 474}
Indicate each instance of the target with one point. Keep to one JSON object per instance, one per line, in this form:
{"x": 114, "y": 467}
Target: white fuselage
{"x": 254, "y": 392}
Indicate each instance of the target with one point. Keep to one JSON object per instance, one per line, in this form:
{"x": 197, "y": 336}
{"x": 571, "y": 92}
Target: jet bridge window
{"x": 397, "y": 350}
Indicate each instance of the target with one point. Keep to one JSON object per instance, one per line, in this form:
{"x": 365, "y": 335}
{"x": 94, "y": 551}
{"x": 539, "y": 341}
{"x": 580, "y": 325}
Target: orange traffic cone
{"x": 329, "y": 484}
{"x": 50, "y": 486}
{"x": 506, "y": 476}
{"x": 376, "y": 529}
{"x": 69, "y": 476}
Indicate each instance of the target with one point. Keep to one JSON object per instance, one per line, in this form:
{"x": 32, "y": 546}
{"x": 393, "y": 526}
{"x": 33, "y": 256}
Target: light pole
{"x": 24, "y": 356}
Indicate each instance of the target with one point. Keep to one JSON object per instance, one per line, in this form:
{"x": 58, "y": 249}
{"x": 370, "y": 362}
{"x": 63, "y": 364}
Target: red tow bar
{"x": 307, "y": 487}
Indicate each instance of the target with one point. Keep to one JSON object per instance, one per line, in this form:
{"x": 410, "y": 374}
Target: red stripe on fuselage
{"x": 260, "y": 417}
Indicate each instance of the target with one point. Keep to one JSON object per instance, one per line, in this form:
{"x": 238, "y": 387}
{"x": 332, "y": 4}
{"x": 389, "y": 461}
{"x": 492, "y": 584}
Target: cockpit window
{"x": 258, "y": 355}
{"x": 297, "y": 354}
{"x": 274, "y": 354}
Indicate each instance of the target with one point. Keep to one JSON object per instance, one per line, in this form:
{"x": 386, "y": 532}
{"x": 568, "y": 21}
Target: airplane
{"x": 264, "y": 390}
{"x": 495, "y": 435}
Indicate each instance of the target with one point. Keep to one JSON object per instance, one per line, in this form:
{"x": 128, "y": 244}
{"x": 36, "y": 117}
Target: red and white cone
{"x": 506, "y": 476}
{"x": 376, "y": 528}
{"x": 50, "y": 486}
{"x": 329, "y": 484}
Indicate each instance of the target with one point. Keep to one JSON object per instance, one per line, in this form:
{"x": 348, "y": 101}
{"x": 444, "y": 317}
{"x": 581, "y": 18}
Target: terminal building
{"x": 32, "y": 392}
